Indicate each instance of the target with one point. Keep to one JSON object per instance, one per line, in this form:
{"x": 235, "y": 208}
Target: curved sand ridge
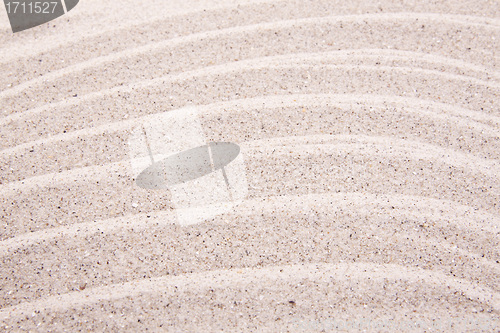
{"x": 370, "y": 134}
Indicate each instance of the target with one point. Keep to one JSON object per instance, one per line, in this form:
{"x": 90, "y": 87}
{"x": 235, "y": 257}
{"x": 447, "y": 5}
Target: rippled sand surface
{"x": 371, "y": 142}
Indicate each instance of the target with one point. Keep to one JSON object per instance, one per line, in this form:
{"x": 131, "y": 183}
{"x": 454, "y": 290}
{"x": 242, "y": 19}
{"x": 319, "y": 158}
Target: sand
{"x": 370, "y": 145}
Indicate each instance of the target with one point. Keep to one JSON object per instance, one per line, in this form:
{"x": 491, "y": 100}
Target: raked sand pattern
{"x": 371, "y": 140}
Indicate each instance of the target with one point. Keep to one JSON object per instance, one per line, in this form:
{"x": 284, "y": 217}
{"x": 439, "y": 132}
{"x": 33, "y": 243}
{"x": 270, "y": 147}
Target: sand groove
{"x": 362, "y": 34}
{"x": 371, "y": 140}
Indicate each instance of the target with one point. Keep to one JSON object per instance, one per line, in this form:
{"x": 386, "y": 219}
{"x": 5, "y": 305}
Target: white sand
{"x": 371, "y": 139}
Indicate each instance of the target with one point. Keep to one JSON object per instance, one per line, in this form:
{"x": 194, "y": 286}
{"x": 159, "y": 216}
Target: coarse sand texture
{"x": 252, "y": 166}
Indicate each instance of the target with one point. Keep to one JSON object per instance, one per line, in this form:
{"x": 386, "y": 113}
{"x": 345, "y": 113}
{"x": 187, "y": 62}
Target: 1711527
{"x": 37, "y": 7}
